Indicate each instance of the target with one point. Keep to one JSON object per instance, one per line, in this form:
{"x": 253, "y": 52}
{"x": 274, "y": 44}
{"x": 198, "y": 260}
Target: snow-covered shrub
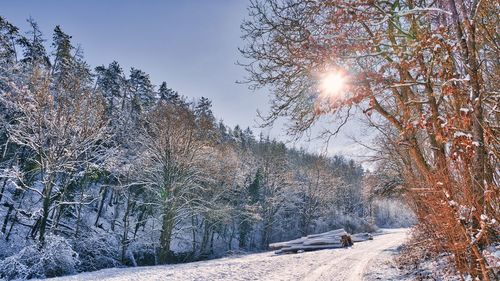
{"x": 492, "y": 256}
{"x": 12, "y": 268}
{"x": 16, "y": 241}
{"x": 351, "y": 223}
{"x": 393, "y": 213}
{"x": 143, "y": 254}
{"x": 55, "y": 258}
{"x": 354, "y": 224}
{"x": 97, "y": 251}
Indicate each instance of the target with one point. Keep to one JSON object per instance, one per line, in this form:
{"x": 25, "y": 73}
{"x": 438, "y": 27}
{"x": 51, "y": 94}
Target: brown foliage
{"x": 427, "y": 68}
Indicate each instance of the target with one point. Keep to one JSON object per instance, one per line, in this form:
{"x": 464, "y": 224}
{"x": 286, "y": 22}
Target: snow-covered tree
{"x": 64, "y": 138}
{"x": 111, "y": 82}
{"x": 172, "y": 152}
{"x": 142, "y": 91}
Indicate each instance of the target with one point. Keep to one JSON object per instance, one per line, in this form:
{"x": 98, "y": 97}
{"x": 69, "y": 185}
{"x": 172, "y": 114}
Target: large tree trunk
{"x": 7, "y": 217}
{"x": 243, "y": 233}
{"x": 45, "y": 211}
{"x": 79, "y": 214}
{"x": 3, "y": 189}
{"x": 140, "y": 221}
{"x": 103, "y": 193}
{"x": 194, "y": 224}
{"x": 166, "y": 234}
{"x": 205, "y": 251}
{"x": 266, "y": 234}
{"x": 125, "y": 240}
{"x": 116, "y": 212}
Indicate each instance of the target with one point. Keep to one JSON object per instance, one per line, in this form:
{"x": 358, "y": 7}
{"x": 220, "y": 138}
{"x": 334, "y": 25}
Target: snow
{"x": 385, "y": 267}
{"x": 459, "y": 134}
{"x": 332, "y": 264}
{"x": 492, "y": 255}
{"x": 422, "y": 10}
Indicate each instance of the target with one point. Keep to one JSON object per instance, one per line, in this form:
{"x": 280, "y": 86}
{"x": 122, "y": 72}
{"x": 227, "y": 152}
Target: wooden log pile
{"x": 337, "y": 238}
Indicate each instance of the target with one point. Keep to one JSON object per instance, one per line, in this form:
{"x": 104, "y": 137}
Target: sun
{"x": 332, "y": 84}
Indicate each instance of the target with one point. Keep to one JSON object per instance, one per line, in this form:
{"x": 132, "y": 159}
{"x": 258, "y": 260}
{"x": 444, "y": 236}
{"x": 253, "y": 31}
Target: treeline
{"x": 98, "y": 168}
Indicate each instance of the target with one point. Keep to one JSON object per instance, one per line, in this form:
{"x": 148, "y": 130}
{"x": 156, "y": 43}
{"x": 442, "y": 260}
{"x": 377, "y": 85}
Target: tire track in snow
{"x": 352, "y": 266}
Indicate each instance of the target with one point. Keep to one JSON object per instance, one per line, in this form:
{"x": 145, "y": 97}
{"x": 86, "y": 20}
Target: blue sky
{"x": 190, "y": 44}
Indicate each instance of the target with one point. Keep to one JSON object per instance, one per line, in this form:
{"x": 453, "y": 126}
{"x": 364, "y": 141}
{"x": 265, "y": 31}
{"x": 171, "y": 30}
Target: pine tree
{"x": 203, "y": 110}
{"x": 205, "y": 119}
{"x": 247, "y": 138}
{"x": 170, "y": 96}
{"x": 8, "y": 56}
{"x": 70, "y": 71}
{"x": 8, "y": 36}
{"x": 34, "y": 54}
{"x": 237, "y": 133}
{"x": 254, "y": 188}
{"x": 63, "y": 59}
{"x": 143, "y": 95}
{"x": 111, "y": 82}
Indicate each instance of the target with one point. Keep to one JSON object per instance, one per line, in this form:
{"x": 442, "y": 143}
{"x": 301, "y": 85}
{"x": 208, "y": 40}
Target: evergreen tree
{"x": 170, "y": 96}
{"x": 8, "y": 36}
{"x": 205, "y": 119}
{"x": 70, "y": 71}
{"x": 247, "y": 138}
{"x": 143, "y": 95}
{"x": 8, "y": 57}
{"x": 63, "y": 59}
{"x": 255, "y": 187}
{"x": 34, "y": 54}
{"x": 237, "y": 133}
{"x": 111, "y": 81}
{"x": 223, "y": 132}
{"x": 203, "y": 110}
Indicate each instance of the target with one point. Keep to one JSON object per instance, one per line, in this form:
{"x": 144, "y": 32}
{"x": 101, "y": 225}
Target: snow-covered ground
{"x": 356, "y": 263}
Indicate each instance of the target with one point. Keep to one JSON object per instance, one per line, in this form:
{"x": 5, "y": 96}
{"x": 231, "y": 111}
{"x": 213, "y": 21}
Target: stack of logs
{"x": 337, "y": 238}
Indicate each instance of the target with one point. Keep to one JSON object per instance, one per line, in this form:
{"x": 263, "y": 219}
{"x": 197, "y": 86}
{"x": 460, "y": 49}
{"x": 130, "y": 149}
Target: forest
{"x": 101, "y": 168}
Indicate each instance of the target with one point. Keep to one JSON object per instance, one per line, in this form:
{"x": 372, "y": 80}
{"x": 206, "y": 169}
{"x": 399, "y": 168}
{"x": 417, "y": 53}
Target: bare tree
{"x": 65, "y": 137}
{"x": 171, "y": 158}
{"x": 420, "y": 66}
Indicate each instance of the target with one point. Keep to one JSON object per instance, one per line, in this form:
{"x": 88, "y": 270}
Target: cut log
{"x": 359, "y": 237}
{"x": 337, "y": 238}
{"x": 295, "y": 249}
{"x": 321, "y": 241}
{"x": 279, "y": 245}
{"x": 337, "y": 232}
{"x": 330, "y": 237}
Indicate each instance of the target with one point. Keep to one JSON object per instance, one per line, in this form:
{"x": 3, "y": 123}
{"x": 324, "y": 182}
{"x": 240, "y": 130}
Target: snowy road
{"x": 335, "y": 264}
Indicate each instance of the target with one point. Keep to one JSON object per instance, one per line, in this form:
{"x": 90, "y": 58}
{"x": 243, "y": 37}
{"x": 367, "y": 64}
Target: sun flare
{"x": 332, "y": 84}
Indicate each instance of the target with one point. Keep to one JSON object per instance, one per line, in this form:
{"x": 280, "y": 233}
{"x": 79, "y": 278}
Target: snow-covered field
{"x": 356, "y": 263}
